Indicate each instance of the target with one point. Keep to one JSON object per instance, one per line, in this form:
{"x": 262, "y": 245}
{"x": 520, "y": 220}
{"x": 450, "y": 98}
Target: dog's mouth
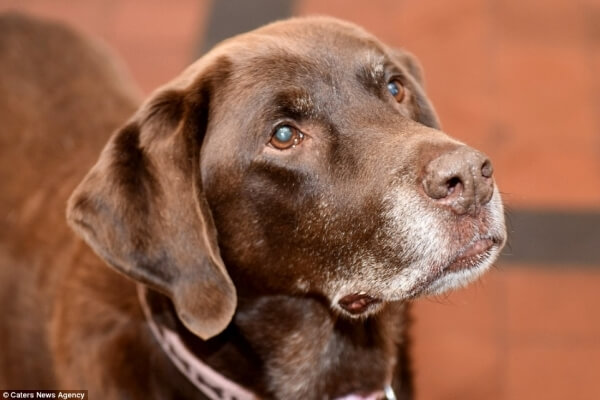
{"x": 441, "y": 265}
{"x": 468, "y": 264}
{"x": 473, "y": 254}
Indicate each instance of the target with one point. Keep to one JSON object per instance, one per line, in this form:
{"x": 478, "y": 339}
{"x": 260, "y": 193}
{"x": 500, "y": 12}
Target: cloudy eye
{"x": 396, "y": 89}
{"x": 285, "y": 137}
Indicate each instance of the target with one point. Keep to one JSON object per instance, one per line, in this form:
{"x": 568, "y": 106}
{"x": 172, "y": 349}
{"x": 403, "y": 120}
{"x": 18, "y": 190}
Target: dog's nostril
{"x": 487, "y": 170}
{"x": 439, "y": 186}
{"x": 453, "y": 184}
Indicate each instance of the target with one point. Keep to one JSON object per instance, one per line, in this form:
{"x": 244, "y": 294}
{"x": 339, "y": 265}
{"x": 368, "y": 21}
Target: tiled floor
{"x": 516, "y": 78}
{"x": 523, "y": 332}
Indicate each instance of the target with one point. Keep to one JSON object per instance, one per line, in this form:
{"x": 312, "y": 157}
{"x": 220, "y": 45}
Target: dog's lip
{"x": 358, "y": 303}
{"x": 473, "y": 254}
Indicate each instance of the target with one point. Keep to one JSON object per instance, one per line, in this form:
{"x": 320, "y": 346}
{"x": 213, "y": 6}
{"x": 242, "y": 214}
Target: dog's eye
{"x": 286, "y": 136}
{"x": 396, "y": 89}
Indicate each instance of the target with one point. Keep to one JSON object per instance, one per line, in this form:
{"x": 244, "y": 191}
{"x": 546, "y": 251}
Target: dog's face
{"x": 315, "y": 169}
{"x": 309, "y": 152}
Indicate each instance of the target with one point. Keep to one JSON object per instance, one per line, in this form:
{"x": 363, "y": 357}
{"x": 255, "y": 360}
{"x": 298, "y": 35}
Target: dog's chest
{"x": 307, "y": 353}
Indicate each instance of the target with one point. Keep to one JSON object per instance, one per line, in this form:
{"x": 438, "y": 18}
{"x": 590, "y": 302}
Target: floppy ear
{"x": 411, "y": 63}
{"x": 425, "y": 113}
{"x": 142, "y": 209}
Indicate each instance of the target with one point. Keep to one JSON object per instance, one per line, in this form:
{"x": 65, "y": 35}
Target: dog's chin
{"x": 439, "y": 266}
{"x": 465, "y": 268}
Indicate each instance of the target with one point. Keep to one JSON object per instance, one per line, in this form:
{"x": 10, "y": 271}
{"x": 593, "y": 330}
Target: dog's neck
{"x": 307, "y": 354}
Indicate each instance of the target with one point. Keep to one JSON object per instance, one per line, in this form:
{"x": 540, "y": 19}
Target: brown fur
{"x": 252, "y": 247}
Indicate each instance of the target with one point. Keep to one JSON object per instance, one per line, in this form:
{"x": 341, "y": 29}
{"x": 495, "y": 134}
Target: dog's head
{"x": 301, "y": 158}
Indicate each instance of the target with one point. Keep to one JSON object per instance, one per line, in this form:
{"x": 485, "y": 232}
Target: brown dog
{"x": 279, "y": 204}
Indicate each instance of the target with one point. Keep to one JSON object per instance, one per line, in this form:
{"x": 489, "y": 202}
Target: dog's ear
{"x": 142, "y": 207}
{"x": 425, "y": 113}
{"x": 410, "y": 62}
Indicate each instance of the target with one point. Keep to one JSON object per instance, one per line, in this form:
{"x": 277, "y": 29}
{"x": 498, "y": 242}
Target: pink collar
{"x": 212, "y": 384}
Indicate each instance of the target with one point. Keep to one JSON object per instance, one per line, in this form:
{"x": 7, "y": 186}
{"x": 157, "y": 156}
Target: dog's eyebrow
{"x": 294, "y": 103}
{"x": 372, "y": 73}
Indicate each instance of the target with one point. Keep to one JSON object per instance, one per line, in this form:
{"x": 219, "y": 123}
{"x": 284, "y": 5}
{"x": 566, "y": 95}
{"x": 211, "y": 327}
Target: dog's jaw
{"x": 442, "y": 258}
{"x": 434, "y": 260}
{"x": 479, "y": 262}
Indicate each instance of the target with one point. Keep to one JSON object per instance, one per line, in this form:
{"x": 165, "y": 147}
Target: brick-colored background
{"x": 518, "y": 79}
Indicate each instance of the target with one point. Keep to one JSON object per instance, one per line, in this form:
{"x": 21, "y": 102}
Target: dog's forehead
{"x": 306, "y": 47}
{"x": 294, "y": 50}
{"x": 324, "y": 45}
{"x": 319, "y": 71}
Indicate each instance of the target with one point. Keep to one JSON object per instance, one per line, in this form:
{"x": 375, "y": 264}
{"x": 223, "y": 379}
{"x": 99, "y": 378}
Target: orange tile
{"x": 372, "y": 18}
{"x": 452, "y": 41}
{"x": 91, "y": 17}
{"x": 176, "y": 21}
{"x": 549, "y": 156}
{"x": 157, "y": 40}
{"x": 553, "y": 372}
{"x": 153, "y": 64}
{"x": 558, "y": 22}
{"x": 398, "y": 23}
{"x": 521, "y": 333}
{"x": 456, "y": 350}
{"x": 553, "y": 304}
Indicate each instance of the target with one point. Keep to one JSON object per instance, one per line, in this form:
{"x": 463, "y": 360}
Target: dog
{"x": 268, "y": 216}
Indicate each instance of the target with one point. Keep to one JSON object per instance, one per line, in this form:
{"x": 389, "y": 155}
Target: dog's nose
{"x": 461, "y": 179}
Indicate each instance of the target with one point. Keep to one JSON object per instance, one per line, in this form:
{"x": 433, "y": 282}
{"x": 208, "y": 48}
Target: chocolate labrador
{"x": 268, "y": 215}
